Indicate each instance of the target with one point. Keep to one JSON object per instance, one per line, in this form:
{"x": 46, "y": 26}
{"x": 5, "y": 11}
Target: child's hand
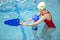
{"x": 22, "y": 22}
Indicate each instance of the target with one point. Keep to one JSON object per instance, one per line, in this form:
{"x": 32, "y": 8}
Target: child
{"x": 46, "y": 17}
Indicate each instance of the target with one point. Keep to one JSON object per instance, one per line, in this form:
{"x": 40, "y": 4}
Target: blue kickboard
{"x": 12, "y": 22}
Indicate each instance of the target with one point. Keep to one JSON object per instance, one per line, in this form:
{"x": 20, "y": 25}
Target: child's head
{"x": 41, "y": 6}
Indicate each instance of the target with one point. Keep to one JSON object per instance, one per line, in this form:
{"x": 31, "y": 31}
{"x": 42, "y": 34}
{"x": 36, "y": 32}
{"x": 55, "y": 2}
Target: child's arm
{"x": 30, "y": 19}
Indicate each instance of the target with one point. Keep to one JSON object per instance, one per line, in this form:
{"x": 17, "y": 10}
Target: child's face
{"x": 41, "y": 10}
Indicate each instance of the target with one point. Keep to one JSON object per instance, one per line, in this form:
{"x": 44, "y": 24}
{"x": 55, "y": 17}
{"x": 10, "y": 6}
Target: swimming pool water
{"x": 26, "y": 9}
